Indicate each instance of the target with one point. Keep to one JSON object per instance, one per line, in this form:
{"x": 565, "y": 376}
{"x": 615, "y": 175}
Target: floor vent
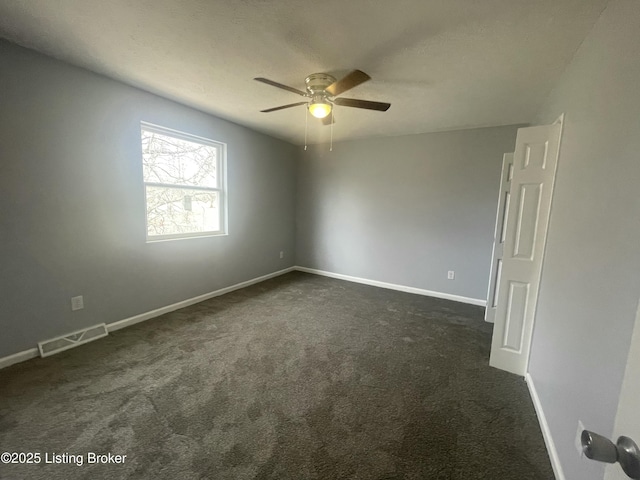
{"x": 70, "y": 340}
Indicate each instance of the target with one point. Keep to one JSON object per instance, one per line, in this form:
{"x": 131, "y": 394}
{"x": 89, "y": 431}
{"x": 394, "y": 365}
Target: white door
{"x": 499, "y": 237}
{"x": 534, "y": 168}
{"x": 628, "y": 415}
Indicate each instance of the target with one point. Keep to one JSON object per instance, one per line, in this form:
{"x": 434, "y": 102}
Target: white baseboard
{"x": 19, "y": 357}
{"x": 33, "y": 352}
{"x": 111, "y": 327}
{"x": 394, "y": 286}
{"x": 546, "y": 432}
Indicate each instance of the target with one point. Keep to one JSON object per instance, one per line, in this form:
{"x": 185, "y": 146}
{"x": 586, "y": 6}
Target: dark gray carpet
{"x": 299, "y": 377}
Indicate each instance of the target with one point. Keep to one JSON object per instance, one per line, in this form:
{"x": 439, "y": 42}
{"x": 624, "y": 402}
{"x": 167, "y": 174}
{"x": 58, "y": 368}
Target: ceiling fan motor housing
{"x": 317, "y": 82}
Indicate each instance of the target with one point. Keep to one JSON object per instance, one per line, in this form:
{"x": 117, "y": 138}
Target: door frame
{"x": 498, "y": 234}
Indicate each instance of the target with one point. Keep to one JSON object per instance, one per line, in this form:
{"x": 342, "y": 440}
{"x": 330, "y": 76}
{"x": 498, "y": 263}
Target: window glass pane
{"x": 176, "y": 161}
{"x": 172, "y": 211}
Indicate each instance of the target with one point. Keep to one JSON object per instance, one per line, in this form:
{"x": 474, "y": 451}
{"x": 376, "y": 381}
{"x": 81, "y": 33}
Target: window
{"x": 184, "y": 184}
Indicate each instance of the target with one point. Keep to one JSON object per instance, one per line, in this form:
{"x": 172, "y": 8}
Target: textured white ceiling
{"x": 442, "y": 64}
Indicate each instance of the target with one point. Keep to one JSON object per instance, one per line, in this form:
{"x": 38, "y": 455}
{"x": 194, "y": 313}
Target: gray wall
{"x": 72, "y": 215}
{"x": 591, "y": 275}
{"x": 404, "y": 210}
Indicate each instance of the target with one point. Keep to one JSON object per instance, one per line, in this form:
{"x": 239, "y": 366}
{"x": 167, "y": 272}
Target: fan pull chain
{"x": 306, "y": 126}
{"x": 331, "y": 143}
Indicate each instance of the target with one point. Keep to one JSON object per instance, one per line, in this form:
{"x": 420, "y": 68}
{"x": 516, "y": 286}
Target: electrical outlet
{"x": 281, "y": 254}
{"x": 451, "y": 275}
{"x": 77, "y": 303}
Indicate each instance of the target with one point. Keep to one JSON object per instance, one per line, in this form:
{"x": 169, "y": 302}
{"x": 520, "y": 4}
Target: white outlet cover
{"x": 578, "y": 440}
{"x": 77, "y": 303}
{"x": 451, "y": 275}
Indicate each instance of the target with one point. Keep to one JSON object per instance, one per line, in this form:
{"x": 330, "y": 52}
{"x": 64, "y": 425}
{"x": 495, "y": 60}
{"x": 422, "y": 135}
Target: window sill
{"x": 190, "y": 237}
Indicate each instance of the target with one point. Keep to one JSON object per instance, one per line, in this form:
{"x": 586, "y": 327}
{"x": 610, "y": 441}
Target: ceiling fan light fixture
{"x": 324, "y": 90}
{"x": 319, "y": 107}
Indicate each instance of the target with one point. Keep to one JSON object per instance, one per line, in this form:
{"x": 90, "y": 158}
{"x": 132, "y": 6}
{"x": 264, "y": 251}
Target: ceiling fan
{"x": 323, "y": 89}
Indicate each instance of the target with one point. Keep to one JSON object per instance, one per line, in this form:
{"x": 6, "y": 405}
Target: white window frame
{"x": 221, "y": 176}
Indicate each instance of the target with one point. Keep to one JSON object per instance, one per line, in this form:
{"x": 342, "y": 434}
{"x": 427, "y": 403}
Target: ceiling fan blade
{"x": 353, "y": 79}
{"x": 279, "y": 85}
{"x": 369, "y": 105}
{"x": 329, "y": 119}
{"x": 282, "y": 107}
